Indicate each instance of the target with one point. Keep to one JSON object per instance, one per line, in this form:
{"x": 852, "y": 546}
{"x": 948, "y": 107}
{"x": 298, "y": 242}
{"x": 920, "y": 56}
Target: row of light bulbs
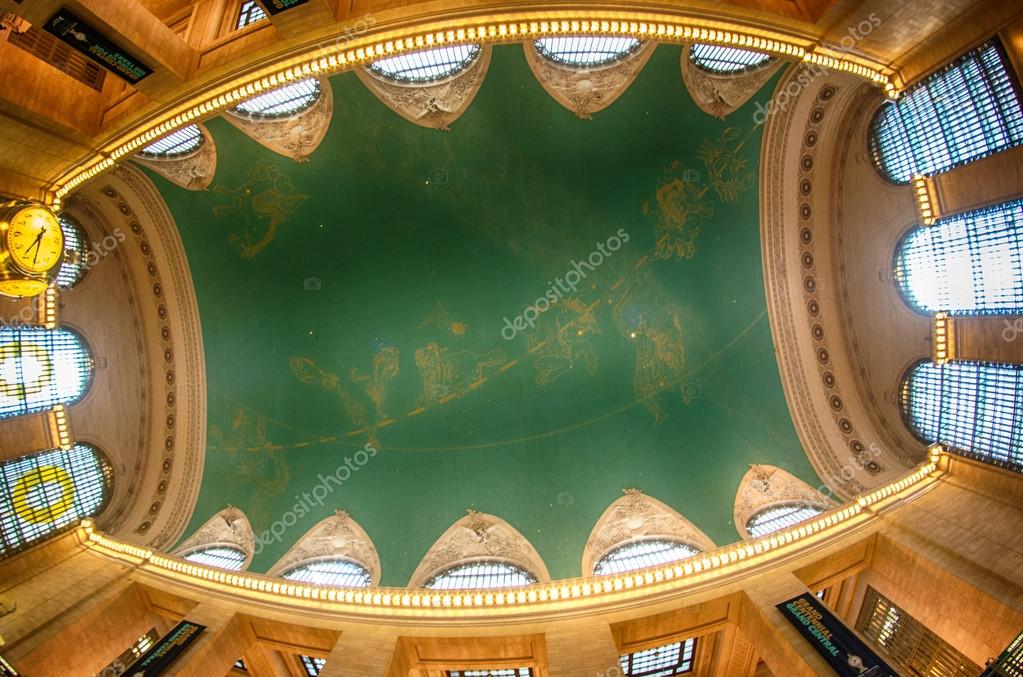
{"x": 375, "y": 599}
{"x": 341, "y": 57}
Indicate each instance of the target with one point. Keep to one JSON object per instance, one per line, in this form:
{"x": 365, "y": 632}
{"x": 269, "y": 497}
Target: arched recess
{"x": 638, "y": 517}
{"x": 193, "y": 170}
{"x": 140, "y": 317}
{"x": 434, "y": 104}
{"x": 229, "y": 528}
{"x": 809, "y": 173}
{"x": 720, "y": 94}
{"x": 294, "y": 136}
{"x": 336, "y": 537}
{"x": 479, "y": 537}
{"x": 766, "y": 486}
{"x": 586, "y": 91}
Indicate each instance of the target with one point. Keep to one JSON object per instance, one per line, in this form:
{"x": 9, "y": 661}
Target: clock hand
{"x": 35, "y": 243}
{"x": 39, "y": 239}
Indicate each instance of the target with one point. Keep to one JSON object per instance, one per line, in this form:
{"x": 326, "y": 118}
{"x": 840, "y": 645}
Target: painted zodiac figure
{"x": 267, "y": 195}
{"x": 447, "y": 373}
{"x": 728, "y": 168}
{"x": 680, "y": 210}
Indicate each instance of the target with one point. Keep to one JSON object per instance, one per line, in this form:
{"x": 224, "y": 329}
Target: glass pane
{"x": 220, "y": 557}
{"x": 337, "y": 572}
{"x": 779, "y": 517}
{"x": 586, "y": 51}
{"x": 181, "y": 142}
{"x": 312, "y": 665}
{"x": 41, "y": 368}
{"x": 250, "y": 13}
{"x": 968, "y": 110}
{"x": 967, "y": 264}
{"x": 283, "y": 101}
{"x": 726, "y": 59}
{"x": 642, "y": 554}
{"x": 477, "y": 575}
{"x": 76, "y": 252}
{"x": 426, "y": 65}
{"x": 664, "y": 661}
{"x": 45, "y": 492}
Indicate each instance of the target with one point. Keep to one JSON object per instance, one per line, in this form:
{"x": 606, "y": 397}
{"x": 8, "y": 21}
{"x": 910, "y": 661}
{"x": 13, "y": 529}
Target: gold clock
{"x": 31, "y": 248}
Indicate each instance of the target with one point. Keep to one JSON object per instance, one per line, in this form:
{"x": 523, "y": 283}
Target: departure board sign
{"x": 843, "y": 650}
{"x": 278, "y": 6}
{"x": 85, "y": 39}
{"x": 163, "y": 653}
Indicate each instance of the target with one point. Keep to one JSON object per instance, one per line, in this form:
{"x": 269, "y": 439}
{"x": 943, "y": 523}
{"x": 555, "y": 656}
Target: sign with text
{"x": 843, "y": 650}
{"x": 278, "y": 6}
{"x": 163, "y": 653}
{"x": 85, "y": 39}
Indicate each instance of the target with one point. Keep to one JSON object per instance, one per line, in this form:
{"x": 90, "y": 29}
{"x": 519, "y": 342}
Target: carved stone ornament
{"x": 295, "y": 136}
{"x": 638, "y": 517}
{"x": 720, "y": 94}
{"x": 436, "y": 104}
{"x": 585, "y": 91}
{"x": 765, "y": 486}
{"x": 336, "y": 537}
{"x": 229, "y": 528}
{"x": 477, "y": 537}
{"x": 193, "y": 171}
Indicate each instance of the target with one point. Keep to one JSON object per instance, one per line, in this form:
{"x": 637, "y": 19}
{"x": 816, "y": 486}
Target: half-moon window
{"x": 587, "y": 51}
{"x": 479, "y": 575}
{"x": 965, "y": 111}
{"x": 779, "y": 517}
{"x": 642, "y": 554}
{"x": 76, "y": 251}
{"x": 221, "y": 557}
{"x": 974, "y": 408}
{"x": 338, "y": 572}
{"x": 662, "y": 661}
{"x": 427, "y": 65}
{"x": 47, "y": 492}
{"x": 283, "y": 101}
{"x": 967, "y": 264}
{"x": 726, "y": 60}
{"x": 176, "y": 144}
{"x": 41, "y": 368}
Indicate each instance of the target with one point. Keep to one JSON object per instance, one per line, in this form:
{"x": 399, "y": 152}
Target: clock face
{"x": 35, "y": 240}
{"x": 22, "y": 288}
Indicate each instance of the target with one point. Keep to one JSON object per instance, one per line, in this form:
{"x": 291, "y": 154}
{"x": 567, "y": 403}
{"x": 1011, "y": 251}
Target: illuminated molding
{"x": 571, "y": 594}
{"x": 48, "y": 307}
{"x": 926, "y": 199}
{"x": 943, "y": 339}
{"x": 60, "y": 429}
{"x": 520, "y": 26}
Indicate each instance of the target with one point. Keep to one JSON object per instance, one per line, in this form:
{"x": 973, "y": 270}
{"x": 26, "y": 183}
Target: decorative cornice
{"x": 586, "y": 91}
{"x": 435, "y": 105}
{"x": 479, "y": 536}
{"x": 634, "y": 517}
{"x": 295, "y": 136}
{"x": 336, "y": 537}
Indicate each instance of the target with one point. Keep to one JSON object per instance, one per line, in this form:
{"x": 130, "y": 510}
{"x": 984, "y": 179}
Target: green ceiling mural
{"x": 524, "y": 315}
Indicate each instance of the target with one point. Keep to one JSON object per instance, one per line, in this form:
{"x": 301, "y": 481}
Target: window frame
{"x": 446, "y": 571}
{"x": 85, "y": 248}
{"x": 305, "y": 564}
{"x": 89, "y": 369}
{"x": 698, "y": 61}
{"x": 176, "y": 155}
{"x": 639, "y": 541}
{"x": 263, "y": 116}
{"x": 468, "y": 62}
{"x": 551, "y": 56}
{"x": 216, "y": 546}
{"x": 687, "y": 647}
{"x": 796, "y": 505}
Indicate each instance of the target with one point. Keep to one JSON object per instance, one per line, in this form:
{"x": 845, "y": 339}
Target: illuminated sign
{"x": 85, "y": 39}
{"x": 278, "y": 6}
{"x": 843, "y": 650}
{"x": 163, "y": 653}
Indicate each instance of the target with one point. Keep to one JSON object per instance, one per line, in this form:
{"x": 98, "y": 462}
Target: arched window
{"x": 974, "y": 408}
{"x": 249, "y": 13}
{"x": 283, "y": 101}
{"x": 479, "y": 575}
{"x": 642, "y": 554}
{"x": 339, "y": 572}
{"x": 778, "y": 517}
{"x": 967, "y": 264}
{"x": 46, "y": 492}
{"x": 663, "y": 661}
{"x": 966, "y": 111}
{"x": 726, "y": 60}
{"x": 586, "y": 51}
{"x": 221, "y": 557}
{"x": 41, "y": 368}
{"x": 176, "y": 144}
{"x": 427, "y": 65}
{"x": 76, "y": 251}
{"x": 312, "y": 666}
